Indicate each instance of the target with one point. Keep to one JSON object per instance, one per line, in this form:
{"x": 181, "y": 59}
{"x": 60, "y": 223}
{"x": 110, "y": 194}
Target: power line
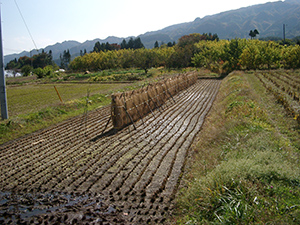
{"x": 26, "y": 25}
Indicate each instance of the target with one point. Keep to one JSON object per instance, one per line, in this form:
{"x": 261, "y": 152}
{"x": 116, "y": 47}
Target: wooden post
{"x": 138, "y": 112}
{"x": 106, "y": 125}
{"x": 150, "y": 109}
{"x": 58, "y": 94}
{"x": 130, "y": 117}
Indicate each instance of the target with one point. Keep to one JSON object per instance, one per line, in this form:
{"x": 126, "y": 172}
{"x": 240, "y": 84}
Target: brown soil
{"x": 72, "y": 173}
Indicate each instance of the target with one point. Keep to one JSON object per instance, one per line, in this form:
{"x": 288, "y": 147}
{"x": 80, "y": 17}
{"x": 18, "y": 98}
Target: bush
{"x": 26, "y": 70}
{"x": 47, "y": 71}
{"x": 39, "y": 72}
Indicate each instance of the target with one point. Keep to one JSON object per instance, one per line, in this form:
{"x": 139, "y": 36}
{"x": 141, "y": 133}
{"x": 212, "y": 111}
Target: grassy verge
{"x": 245, "y": 166}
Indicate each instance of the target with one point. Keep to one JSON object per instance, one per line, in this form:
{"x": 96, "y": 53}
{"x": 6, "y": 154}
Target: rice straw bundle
{"x": 131, "y": 106}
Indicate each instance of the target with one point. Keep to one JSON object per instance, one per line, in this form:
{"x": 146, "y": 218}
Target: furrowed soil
{"x": 73, "y": 173}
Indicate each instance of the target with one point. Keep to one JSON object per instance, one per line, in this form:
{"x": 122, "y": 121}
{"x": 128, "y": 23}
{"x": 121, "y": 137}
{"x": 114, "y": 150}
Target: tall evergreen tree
{"x": 138, "y": 43}
{"x": 65, "y": 59}
{"x": 108, "y": 47}
{"x": 130, "y": 44}
{"x": 97, "y": 47}
{"x": 124, "y": 44}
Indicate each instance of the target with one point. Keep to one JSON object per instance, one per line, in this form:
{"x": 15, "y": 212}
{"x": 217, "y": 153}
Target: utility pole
{"x": 3, "y": 99}
{"x": 283, "y": 33}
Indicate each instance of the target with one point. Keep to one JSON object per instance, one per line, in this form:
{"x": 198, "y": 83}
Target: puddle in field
{"x": 31, "y": 208}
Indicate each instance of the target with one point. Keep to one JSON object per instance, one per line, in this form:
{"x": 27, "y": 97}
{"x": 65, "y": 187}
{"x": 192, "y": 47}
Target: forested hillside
{"x": 267, "y": 18}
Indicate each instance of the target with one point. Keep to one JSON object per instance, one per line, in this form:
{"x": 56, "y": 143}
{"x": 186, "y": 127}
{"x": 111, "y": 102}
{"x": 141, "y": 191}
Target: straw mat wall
{"x": 130, "y": 106}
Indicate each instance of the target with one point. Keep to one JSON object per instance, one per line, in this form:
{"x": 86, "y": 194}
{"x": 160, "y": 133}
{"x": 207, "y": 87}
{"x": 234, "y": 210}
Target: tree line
{"x": 170, "y": 55}
{"x": 241, "y": 54}
{"x": 206, "y": 50}
{"x": 131, "y": 44}
{"x": 40, "y": 60}
{"x": 194, "y": 50}
{"x": 40, "y": 63}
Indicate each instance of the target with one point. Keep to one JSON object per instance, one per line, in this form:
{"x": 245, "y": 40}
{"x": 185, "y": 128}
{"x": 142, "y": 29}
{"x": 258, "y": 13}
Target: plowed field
{"x": 72, "y": 173}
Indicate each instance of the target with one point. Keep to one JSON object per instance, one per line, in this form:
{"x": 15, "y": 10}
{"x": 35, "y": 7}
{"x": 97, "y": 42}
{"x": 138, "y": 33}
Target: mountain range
{"x": 267, "y": 18}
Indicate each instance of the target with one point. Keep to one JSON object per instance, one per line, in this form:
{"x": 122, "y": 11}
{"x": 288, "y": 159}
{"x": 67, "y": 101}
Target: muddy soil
{"x": 74, "y": 173}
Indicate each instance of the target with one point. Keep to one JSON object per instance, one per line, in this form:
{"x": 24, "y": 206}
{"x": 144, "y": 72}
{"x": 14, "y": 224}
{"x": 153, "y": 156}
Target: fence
{"x": 130, "y": 106}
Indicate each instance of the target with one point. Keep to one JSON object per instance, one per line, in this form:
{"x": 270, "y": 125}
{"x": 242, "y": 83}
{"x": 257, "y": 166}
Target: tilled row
{"x": 43, "y": 150}
{"x": 136, "y": 170}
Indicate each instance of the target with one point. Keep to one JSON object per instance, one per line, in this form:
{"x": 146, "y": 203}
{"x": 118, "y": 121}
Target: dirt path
{"x": 71, "y": 173}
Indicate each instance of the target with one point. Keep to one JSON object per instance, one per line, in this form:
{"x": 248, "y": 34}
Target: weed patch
{"x": 245, "y": 169}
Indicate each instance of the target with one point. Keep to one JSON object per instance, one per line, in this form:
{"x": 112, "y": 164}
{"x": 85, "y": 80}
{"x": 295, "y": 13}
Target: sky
{"x": 52, "y": 21}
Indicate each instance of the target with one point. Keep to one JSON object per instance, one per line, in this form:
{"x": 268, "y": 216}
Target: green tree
{"x": 41, "y": 60}
{"x": 270, "y": 54}
{"x": 97, "y": 47}
{"x": 181, "y": 57}
{"x": 130, "y": 44}
{"x": 39, "y": 72}
{"x": 231, "y": 55}
{"x": 124, "y": 44}
{"x": 291, "y": 57}
{"x": 26, "y": 70}
{"x": 25, "y": 60}
{"x": 250, "y": 55}
{"x": 127, "y": 58}
{"x": 65, "y": 59}
{"x": 156, "y": 44}
{"x": 170, "y": 44}
{"x": 261, "y": 55}
{"x": 13, "y": 64}
{"x": 144, "y": 58}
{"x": 209, "y": 55}
{"x": 48, "y": 70}
{"x": 253, "y": 34}
{"x": 138, "y": 43}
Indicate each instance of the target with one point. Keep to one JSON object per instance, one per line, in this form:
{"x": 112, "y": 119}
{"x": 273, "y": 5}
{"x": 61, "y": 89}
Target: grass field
{"x": 244, "y": 167}
{"x": 34, "y": 97}
{"x": 29, "y": 94}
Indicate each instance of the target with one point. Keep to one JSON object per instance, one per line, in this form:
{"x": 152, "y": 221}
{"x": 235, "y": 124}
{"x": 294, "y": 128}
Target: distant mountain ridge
{"x": 267, "y": 18}
{"x": 74, "y": 47}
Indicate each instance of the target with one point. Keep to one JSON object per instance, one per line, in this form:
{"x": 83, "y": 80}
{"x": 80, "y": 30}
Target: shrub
{"x": 26, "y": 70}
{"x": 39, "y": 72}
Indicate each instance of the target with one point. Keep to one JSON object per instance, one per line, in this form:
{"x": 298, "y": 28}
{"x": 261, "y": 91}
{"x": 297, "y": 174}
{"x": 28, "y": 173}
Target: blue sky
{"x": 52, "y": 21}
